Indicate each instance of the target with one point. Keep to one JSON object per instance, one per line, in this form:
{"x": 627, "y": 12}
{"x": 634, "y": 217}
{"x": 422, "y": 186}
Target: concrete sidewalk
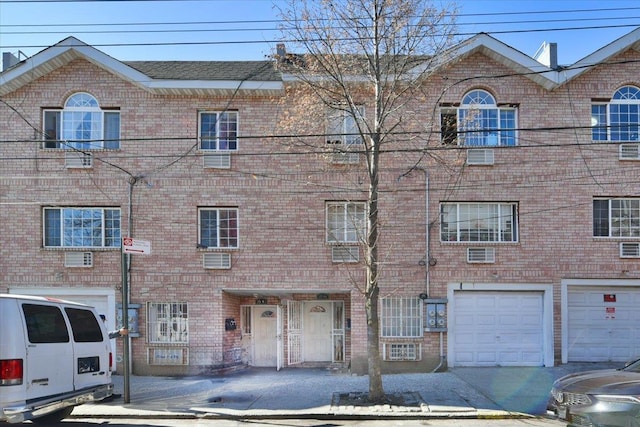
{"x": 498, "y": 392}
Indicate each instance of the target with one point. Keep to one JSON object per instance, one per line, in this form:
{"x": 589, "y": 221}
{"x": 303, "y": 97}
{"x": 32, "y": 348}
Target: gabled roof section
{"x": 628, "y": 41}
{"x": 161, "y": 77}
{"x": 503, "y": 54}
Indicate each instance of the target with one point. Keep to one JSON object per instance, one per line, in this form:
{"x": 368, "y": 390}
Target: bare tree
{"x": 373, "y": 52}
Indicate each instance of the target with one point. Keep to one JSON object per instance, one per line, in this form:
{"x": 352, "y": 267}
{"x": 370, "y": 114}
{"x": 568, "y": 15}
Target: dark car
{"x": 606, "y": 397}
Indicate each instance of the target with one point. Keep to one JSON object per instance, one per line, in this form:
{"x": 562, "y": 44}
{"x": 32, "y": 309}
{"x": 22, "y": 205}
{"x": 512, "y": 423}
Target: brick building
{"x": 515, "y": 240}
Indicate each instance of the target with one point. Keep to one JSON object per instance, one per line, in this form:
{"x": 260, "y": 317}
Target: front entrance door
{"x": 265, "y": 331}
{"x": 317, "y": 331}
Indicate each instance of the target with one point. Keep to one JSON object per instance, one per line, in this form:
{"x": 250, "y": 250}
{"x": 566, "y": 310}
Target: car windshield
{"x": 633, "y": 366}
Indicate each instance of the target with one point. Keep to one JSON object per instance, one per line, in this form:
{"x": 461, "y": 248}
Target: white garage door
{"x": 98, "y": 300}
{"x": 603, "y": 324}
{"x": 498, "y": 329}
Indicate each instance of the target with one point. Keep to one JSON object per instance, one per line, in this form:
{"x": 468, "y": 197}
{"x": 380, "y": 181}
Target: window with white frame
{"x": 478, "y": 222}
{"x": 218, "y": 130}
{"x": 81, "y": 125}
{"x": 616, "y": 218}
{"x": 168, "y": 322}
{"x": 618, "y": 119}
{"x": 218, "y": 228}
{"x": 342, "y": 126}
{"x": 400, "y": 317}
{"x": 81, "y": 227}
{"x": 346, "y": 222}
{"x": 478, "y": 122}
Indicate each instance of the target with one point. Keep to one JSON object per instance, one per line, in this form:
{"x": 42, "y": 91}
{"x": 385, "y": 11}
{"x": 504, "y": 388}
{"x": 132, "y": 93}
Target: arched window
{"x": 82, "y": 125}
{"x": 479, "y": 122}
{"x": 618, "y": 120}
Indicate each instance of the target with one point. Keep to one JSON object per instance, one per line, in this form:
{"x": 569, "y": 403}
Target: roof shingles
{"x": 208, "y": 70}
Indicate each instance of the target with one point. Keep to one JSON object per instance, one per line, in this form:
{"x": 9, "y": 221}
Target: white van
{"x": 54, "y": 354}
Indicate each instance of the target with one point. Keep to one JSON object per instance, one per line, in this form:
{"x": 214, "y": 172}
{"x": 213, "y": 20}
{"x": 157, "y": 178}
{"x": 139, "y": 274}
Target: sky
{"x": 248, "y": 29}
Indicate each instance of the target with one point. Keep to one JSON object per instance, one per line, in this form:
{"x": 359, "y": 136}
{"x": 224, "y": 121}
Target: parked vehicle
{"x": 605, "y": 397}
{"x": 54, "y": 354}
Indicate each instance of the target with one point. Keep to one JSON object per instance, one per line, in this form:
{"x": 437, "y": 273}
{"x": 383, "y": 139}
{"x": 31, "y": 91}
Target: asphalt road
{"x": 116, "y": 422}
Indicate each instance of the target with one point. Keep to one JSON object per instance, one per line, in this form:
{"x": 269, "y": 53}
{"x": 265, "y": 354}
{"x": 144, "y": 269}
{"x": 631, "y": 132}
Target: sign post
{"x": 129, "y": 246}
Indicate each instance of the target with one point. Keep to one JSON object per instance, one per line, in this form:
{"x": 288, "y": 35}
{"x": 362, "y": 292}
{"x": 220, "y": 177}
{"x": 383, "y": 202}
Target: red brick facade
{"x": 553, "y": 175}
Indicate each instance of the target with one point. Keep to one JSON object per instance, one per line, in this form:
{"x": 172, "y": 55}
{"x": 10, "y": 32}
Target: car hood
{"x": 604, "y": 381}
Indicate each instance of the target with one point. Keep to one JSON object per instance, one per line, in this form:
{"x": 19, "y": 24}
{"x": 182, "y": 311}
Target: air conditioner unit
{"x": 216, "y": 260}
{"x": 480, "y": 156}
{"x": 629, "y": 250}
{"x": 629, "y": 152}
{"x": 216, "y": 161}
{"x": 78, "y": 259}
{"x": 345, "y": 158}
{"x": 345, "y": 254}
{"x": 481, "y": 255}
{"x": 77, "y": 160}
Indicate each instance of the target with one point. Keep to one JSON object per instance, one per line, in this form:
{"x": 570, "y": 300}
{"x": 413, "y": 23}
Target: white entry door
{"x": 317, "y": 331}
{"x": 265, "y": 331}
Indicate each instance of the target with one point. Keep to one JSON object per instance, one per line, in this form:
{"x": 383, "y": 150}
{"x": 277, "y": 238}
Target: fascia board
{"x": 28, "y": 70}
{"x": 215, "y": 85}
{"x": 512, "y": 58}
{"x": 602, "y": 55}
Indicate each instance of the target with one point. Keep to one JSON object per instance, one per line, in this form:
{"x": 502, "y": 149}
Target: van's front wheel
{"x": 54, "y": 417}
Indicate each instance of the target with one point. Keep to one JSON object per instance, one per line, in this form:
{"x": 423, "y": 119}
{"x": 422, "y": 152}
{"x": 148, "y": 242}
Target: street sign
{"x": 136, "y": 246}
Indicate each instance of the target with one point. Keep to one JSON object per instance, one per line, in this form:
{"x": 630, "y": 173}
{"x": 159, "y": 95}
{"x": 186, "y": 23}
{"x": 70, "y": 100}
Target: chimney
{"x": 8, "y": 60}
{"x": 281, "y": 51}
{"x": 547, "y": 54}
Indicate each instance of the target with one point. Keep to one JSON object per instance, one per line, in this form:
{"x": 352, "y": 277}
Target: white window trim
{"x": 608, "y": 124}
{"x": 514, "y": 226}
{"x": 176, "y": 327}
{"x": 97, "y": 142}
{"x": 103, "y": 228}
{"x": 218, "y": 209}
{"x": 611, "y": 226}
{"x": 218, "y": 149}
{"x": 473, "y": 106}
{"x": 410, "y": 325}
{"x": 347, "y": 136}
{"x": 342, "y": 240}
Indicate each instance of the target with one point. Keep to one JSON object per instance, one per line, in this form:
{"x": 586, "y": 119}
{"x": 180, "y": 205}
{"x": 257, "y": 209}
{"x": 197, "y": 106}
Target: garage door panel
{"x": 464, "y": 320}
{"x": 465, "y": 304}
{"x": 531, "y": 339}
{"x": 485, "y": 320}
{"x": 464, "y": 357}
{"x": 509, "y": 338}
{"x": 509, "y": 357}
{"x": 486, "y": 338}
{"x": 533, "y": 320}
{"x": 464, "y": 338}
{"x": 506, "y": 329}
{"x": 620, "y": 334}
{"x": 508, "y": 319}
{"x": 622, "y": 352}
{"x": 577, "y": 314}
{"x": 603, "y": 323}
{"x": 485, "y": 301}
{"x": 486, "y": 358}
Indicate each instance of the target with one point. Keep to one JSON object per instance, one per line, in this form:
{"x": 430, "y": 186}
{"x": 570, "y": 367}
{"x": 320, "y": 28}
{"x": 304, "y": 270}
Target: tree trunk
{"x": 376, "y": 390}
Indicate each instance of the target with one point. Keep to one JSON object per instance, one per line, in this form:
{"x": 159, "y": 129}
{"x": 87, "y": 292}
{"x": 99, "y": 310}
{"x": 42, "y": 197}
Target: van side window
{"x": 84, "y": 325}
{"x": 45, "y": 324}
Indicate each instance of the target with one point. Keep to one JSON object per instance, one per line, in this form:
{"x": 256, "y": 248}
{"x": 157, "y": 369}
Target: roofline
{"x": 505, "y": 54}
{"x": 72, "y": 48}
{"x": 603, "y": 54}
